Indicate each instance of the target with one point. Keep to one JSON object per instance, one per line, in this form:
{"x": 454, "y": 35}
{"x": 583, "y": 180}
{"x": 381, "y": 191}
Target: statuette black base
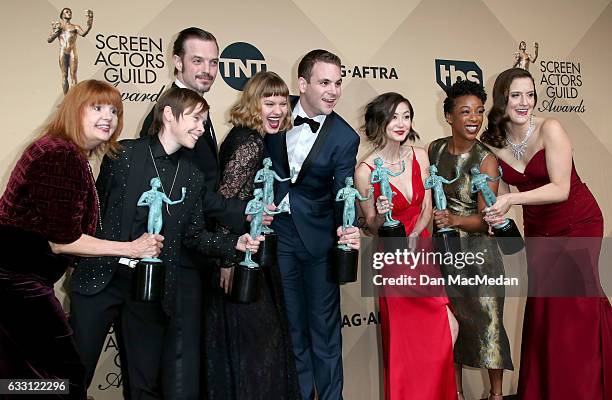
{"x": 266, "y": 254}
{"x": 510, "y": 237}
{"x": 148, "y": 283}
{"x": 245, "y": 285}
{"x": 345, "y": 264}
{"x": 392, "y": 231}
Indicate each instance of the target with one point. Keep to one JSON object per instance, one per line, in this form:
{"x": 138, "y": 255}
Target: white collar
{"x": 298, "y": 110}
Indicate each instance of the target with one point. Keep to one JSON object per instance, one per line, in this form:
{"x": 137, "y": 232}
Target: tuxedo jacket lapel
{"x": 276, "y": 147}
{"x": 133, "y": 184}
{"x": 322, "y": 137}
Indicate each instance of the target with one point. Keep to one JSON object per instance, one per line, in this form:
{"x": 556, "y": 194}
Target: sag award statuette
{"x": 150, "y": 272}
{"x": 246, "y": 274}
{"x": 391, "y": 227}
{"x": 266, "y": 255}
{"x": 512, "y": 241}
{"x": 344, "y": 258}
{"x": 445, "y": 239}
{"x": 522, "y": 59}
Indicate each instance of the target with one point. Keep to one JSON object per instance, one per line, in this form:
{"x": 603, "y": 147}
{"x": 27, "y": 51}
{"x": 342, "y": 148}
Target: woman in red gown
{"x": 567, "y": 330}
{"x": 417, "y": 332}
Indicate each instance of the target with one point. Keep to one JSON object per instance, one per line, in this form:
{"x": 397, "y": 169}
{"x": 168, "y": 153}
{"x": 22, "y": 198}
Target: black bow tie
{"x": 314, "y": 125}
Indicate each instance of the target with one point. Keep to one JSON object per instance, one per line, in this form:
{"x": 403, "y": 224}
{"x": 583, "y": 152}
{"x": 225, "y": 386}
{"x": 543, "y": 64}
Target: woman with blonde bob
{"x": 49, "y": 213}
{"x": 252, "y": 357}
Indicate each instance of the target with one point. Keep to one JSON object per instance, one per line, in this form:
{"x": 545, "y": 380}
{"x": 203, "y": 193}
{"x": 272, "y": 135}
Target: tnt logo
{"x": 447, "y": 72}
{"x": 238, "y": 62}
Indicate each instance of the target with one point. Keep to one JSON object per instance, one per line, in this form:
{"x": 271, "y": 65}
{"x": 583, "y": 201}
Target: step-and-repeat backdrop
{"x": 415, "y": 47}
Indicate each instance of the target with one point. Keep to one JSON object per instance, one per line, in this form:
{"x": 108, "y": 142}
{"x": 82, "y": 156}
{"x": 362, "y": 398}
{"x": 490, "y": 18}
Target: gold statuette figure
{"x": 522, "y": 59}
{"x": 66, "y": 33}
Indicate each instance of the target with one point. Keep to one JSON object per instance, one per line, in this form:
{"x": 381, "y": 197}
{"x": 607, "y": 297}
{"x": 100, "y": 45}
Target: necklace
{"x": 93, "y": 179}
{"x": 399, "y": 160}
{"x": 160, "y": 179}
{"x": 518, "y": 149}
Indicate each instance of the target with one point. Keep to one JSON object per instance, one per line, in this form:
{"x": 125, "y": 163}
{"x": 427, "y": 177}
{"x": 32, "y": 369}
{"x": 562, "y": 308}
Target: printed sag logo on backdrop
{"x": 238, "y": 62}
{"x": 133, "y": 61}
{"x": 447, "y": 72}
{"x": 562, "y": 81}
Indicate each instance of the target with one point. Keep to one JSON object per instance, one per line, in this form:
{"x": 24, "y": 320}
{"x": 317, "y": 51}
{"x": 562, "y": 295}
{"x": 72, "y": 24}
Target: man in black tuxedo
{"x": 101, "y": 285}
{"x": 322, "y": 148}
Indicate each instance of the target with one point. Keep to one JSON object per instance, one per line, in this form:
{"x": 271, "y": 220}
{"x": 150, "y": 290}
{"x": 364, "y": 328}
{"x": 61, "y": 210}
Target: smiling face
{"x": 466, "y": 117}
{"x": 521, "y": 100}
{"x": 187, "y": 129}
{"x": 399, "y": 126}
{"x": 320, "y": 94}
{"x": 198, "y": 66}
{"x": 273, "y": 111}
{"x": 99, "y": 123}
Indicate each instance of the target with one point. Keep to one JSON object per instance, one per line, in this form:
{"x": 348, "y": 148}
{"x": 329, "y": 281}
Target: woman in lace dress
{"x": 249, "y": 348}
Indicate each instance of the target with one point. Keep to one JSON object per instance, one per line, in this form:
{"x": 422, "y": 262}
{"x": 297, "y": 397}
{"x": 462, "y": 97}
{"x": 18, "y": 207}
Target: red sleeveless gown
{"x": 416, "y": 339}
{"x": 566, "y": 349}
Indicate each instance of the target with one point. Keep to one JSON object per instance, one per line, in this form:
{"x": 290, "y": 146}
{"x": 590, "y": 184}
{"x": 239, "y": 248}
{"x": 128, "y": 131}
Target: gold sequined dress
{"x": 482, "y": 340}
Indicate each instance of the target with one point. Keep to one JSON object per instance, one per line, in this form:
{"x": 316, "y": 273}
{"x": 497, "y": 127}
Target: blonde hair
{"x": 247, "y": 111}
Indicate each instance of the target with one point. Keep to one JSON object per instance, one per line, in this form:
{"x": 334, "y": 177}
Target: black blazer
{"x": 118, "y": 187}
{"x": 333, "y": 156}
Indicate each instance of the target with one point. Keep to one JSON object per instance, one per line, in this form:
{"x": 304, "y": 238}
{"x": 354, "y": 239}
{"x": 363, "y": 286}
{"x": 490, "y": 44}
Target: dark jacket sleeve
{"x": 344, "y": 168}
{"x": 56, "y": 185}
{"x": 213, "y": 244}
{"x": 228, "y": 211}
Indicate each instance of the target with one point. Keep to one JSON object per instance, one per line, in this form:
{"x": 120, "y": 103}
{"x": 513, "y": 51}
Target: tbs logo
{"x": 447, "y": 72}
{"x": 238, "y": 62}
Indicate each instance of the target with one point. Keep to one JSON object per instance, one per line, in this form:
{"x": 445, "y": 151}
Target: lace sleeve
{"x": 237, "y": 178}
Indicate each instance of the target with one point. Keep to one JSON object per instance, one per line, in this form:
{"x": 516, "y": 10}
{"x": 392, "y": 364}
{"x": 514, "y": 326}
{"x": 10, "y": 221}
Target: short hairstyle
{"x": 178, "y": 49}
{"x": 247, "y": 111}
{"x": 67, "y": 122}
{"x": 313, "y": 57}
{"x": 181, "y": 101}
{"x": 379, "y": 112}
{"x": 463, "y": 88}
{"x": 495, "y": 134}
{"x": 64, "y": 9}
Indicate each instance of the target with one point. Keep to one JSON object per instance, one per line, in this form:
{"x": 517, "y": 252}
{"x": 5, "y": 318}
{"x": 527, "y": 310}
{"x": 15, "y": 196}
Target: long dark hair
{"x": 495, "y": 134}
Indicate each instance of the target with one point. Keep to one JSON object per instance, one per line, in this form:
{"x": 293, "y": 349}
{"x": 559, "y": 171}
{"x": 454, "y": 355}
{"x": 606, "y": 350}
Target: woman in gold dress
{"x": 482, "y": 340}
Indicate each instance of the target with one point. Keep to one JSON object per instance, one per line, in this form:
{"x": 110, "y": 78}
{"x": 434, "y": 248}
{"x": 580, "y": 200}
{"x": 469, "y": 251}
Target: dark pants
{"x": 313, "y": 309}
{"x": 181, "y": 360}
{"x": 140, "y": 329}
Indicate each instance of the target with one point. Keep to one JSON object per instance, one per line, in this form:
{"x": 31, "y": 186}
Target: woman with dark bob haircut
{"x": 482, "y": 342}
{"x": 49, "y": 213}
{"x": 250, "y": 353}
{"x": 566, "y": 351}
{"x": 417, "y": 329}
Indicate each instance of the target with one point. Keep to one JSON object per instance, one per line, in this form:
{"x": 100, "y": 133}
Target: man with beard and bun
{"x": 322, "y": 148}
{"x": 195, "y": 55}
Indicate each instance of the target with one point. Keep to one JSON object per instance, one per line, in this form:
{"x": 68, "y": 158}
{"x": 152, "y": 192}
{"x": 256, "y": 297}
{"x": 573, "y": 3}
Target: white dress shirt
{"x": 300, "y": 140}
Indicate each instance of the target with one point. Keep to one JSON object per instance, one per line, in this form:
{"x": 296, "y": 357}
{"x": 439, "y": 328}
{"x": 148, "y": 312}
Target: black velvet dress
{"x": 248, "y": 352}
